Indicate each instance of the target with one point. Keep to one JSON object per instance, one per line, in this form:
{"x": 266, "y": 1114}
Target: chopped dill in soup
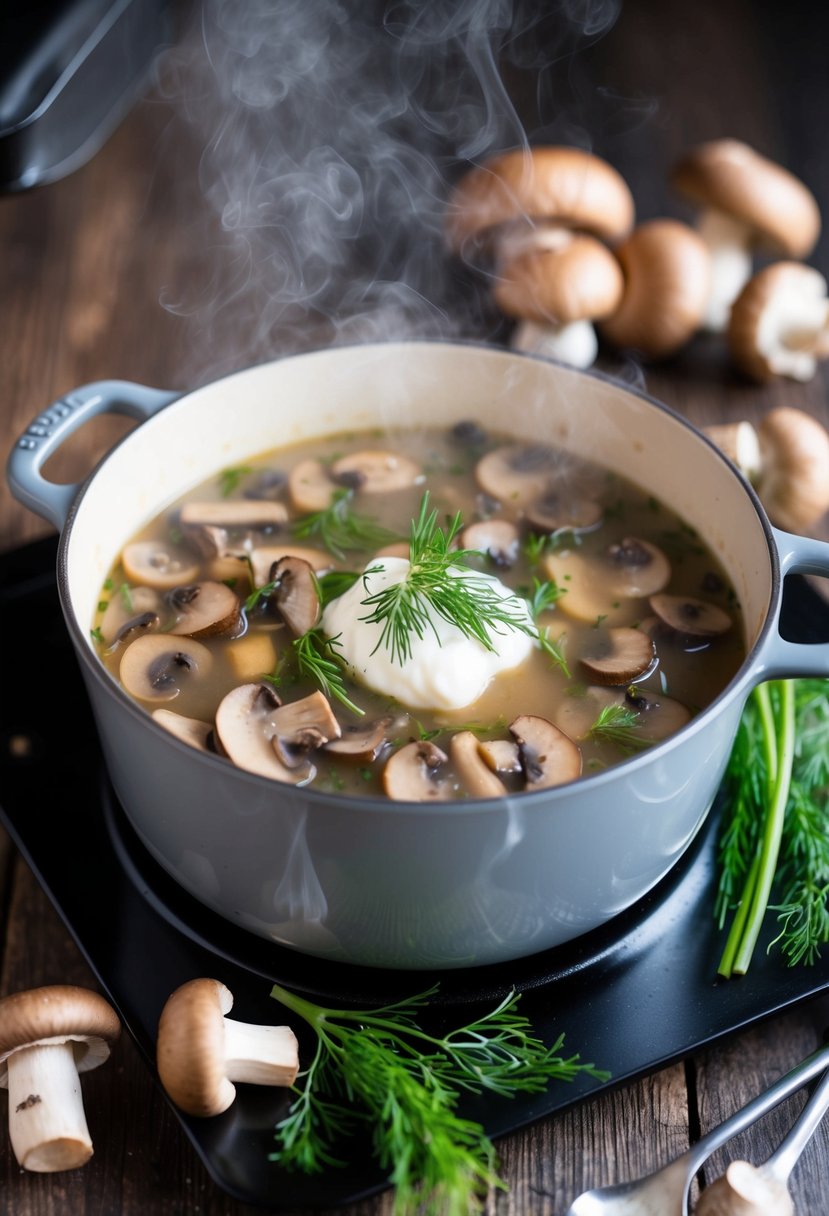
{"x": 425, "y": 615}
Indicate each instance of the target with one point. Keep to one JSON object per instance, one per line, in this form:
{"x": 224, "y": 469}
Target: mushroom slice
{"x": 477, "y": 779}
{"x": 548, "y": 755}
{"x": 310, "y": 487}
{"x": 619, "y": 656}
{"x": 245, "y": 729}
{"x": 154, "y": 563}
{"x": 295, "y": 594}
{"x": 157, "y": 666}
{"x": 501, "y": 755}
{"x": 255, "y": 513}
{"x": 639, "y": 568}
{"x": 497, "y": 538}
{"x": 126, "y": 608}
{"x": 412, "y": 774}
{"x": 47, "y": 1037}
{"x": 691, "y": 617}
{"x": 605, "y": 585}
{"x": 300, "y": 727}
{"x": 262, "y": 560}
{"x": 517, "y": 473}
{"x": 362, "y": 743}
{"x": 374, "y": 471}
{"x": 200, "y": 1052}
{"x": 656, "y": 717}
{"x": 190, "y": 730}
{"x": 205, "y": 609}
{"x": 558, "y": 512}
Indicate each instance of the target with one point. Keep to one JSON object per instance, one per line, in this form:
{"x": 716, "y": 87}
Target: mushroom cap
{"x": 794, "y": 482}
{"x": 157, "y": 564}
{"x": 156, "y": 666}
{"x": 580, "y": 280}
{"x": 777, "y": 322}
{"x": 729, "y": 176}
{"x": 667, "y": 277}
{"x": 204, "y": 609}
{"x": 548, "y": 755}
{"x": 59, "y": 1013}
{"x": 411, "y": 774}
{"x": 190, "y": 1047}
{"x": 574, "y": 188}
{"x": 375, "y": 471}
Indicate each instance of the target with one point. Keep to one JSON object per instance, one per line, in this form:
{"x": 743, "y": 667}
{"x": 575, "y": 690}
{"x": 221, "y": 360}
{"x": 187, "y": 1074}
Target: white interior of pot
{"x": 417, "y": 384}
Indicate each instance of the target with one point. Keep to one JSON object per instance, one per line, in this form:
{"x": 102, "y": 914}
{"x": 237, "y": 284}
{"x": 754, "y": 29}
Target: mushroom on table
{"x": 543, "y": 218}
{"x": 779, "y": 323}
{"x": 47, "y": 1037}
{"x": 201, "y": 1053}
{"x": 667, "y": 285}
{"x": 786, "y": 458}
{"x": 747, "y": 202}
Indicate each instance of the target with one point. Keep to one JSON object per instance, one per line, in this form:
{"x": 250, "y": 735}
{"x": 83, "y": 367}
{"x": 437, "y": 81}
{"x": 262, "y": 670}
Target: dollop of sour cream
{"x": 447, "y": 669}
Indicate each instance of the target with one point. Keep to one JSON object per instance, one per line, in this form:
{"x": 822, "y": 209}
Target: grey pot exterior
{"x": 397, "y": 885}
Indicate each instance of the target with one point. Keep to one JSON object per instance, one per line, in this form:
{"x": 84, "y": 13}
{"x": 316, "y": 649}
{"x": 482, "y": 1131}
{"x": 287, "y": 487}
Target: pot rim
{"x": 739, "y": 685}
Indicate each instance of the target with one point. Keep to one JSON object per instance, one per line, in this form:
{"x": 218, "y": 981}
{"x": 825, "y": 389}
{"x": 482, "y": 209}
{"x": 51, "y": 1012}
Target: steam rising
{"x": 329, "y": 135}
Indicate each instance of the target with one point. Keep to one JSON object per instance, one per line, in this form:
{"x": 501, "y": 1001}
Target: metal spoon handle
{"x": 784, "y": 1159}
{"x": 787, "y": 1085}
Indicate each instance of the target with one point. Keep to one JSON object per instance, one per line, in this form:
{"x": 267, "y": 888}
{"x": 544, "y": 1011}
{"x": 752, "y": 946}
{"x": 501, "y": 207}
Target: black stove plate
{"x": 142, "y": 935}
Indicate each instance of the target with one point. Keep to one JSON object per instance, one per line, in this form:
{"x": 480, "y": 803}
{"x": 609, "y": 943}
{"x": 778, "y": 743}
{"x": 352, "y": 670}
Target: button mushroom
{"x": 412, "y": 774}
{"x": 129, "y": 609}
{"x": 497, "y": 538}
{"x": 201, "y": 1053}
{"x": 619, "y": 656}
{"x": 556, "y": 511}
{"x": 691, "y": 617}
{"x": 47, "y": 1037}
{"x": 548, "y": 756}
{"x": 374, "y": 471}
{"x": 517, "y": 473}
{"x": 204, "y": 610}
{"x": 310, "y": 487}
{"x": 295, "y": 594}
{"x": 192, "y": 731}
{"x": 607, "y": 585}
{"x": 361, "y": 743}
{"x": 207, "y": 524}
{"x": 653, "y": 717}
{"x": 667, "y": 284}
{"x": 157, "y": 667}
{"x": 526, "y": 189}
{"x": 154, "y": 563}
{"x": 557, "y": 294}
{"x": 779, "y": 323}
{"x": 262, "y": 560}
{"x": 501, "y": 755}
{"x": 747, "y": 202}
{"x": 787, "y": 459}
{"x": 261, "y": 735}
{"x": 475, "y": 776}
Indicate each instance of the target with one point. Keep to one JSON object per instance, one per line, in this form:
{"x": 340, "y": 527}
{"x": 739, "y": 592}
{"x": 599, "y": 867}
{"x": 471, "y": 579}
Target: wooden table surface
{"x": 121, "y": 271}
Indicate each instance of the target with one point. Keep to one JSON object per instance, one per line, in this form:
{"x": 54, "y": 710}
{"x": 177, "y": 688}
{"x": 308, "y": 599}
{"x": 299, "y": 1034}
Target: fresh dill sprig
{"x": 334, "y": 584}
{"x": 618, "y": 724}
{"x": 379, "y": 1069}
{"x": 542, "y": 596}
{"x": 342, "y": 530}
{"x": 468, "y": 601}
{"x": 231, "y": 479}
{"x": 773, "y": 847}
{"x": 317, "y": 659}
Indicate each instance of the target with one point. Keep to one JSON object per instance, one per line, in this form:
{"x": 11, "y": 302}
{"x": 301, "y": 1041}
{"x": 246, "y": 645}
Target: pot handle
{"x": 51, "y": 428}
{"x": 782, "y": 659}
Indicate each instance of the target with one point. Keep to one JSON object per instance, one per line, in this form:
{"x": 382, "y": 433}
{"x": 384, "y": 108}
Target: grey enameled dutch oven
{"x": 395, "y": 884}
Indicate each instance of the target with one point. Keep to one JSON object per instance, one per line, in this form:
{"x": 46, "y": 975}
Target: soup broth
{"x": 239, "y": 616}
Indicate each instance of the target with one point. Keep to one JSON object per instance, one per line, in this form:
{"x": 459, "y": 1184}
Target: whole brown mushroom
{"x": 200, "y": 1052}
{"x": 786, "y": 457}
{"x": 779, "y": 325}
{"x": 747, "y": 203}
{"x": 47, "y": 1037}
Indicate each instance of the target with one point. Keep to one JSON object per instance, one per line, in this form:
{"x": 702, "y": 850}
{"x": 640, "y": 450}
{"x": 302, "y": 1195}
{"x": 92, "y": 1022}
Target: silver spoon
{"x": 748, "y": 1190}
{"x": 665, "y": 1193}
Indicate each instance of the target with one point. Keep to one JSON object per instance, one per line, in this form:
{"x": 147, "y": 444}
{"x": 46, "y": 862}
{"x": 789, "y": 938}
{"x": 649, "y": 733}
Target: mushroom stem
{"x": 260, "y": 1055}
{"x": 47, "y": 1123}
{"x": 575, "y": 344}
{"x": 728, "y": 243}
{"x": 741, "y": 444}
